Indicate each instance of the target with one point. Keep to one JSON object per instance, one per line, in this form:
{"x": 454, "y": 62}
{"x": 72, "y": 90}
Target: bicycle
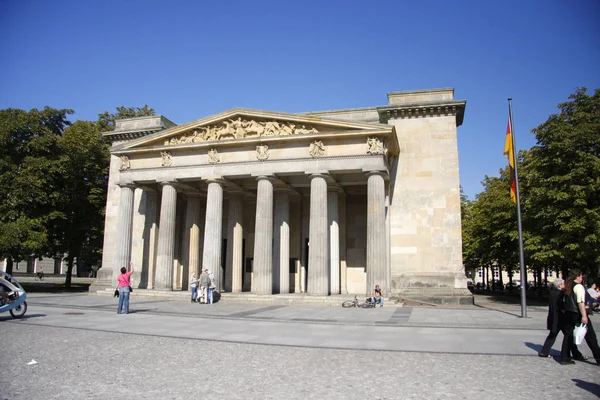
{"x": 357, "y": 303}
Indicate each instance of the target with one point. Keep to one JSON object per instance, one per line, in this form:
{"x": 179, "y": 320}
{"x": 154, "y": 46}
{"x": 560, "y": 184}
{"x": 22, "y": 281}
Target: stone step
{"x": 253, "y": 298}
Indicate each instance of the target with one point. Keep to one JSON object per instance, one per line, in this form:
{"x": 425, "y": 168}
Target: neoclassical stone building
{"x": 319, "y": 203}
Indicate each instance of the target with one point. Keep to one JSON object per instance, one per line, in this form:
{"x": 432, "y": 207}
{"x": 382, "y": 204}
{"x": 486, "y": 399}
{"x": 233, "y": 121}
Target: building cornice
{"x": 422, "y": 110}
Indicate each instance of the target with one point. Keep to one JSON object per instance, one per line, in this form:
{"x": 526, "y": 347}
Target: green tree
{"x": 106, "y": 120}
{"x": 561, "y": 187}
{"x": 77, "y": 221}
{"x": 490, "y": 236}
{"x": 28, "y": 174}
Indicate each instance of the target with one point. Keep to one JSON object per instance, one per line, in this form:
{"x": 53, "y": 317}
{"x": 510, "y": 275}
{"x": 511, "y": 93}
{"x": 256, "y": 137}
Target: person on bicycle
{"x": 377, "y": 296}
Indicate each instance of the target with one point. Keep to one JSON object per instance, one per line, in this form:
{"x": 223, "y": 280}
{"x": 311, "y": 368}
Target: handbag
{"x": 116, "y": 293}
{"x": 130, "y": 289}
{"x": 579, "y": 334}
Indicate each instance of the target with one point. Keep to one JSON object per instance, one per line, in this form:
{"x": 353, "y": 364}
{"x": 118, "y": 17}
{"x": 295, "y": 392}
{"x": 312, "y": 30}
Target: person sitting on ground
{"x": 377, "y": 296}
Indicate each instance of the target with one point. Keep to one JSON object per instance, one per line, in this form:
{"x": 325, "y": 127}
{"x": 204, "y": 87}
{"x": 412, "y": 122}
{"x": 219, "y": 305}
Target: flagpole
{"x": 521, "y": 254}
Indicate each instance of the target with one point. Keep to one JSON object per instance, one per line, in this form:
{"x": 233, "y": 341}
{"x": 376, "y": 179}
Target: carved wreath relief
{"x": 167, "y": 158}
{"x": 125, "y": 163}
{"x": 213, "y": 156}
{"x": 375, "y": 146}
{"x": 316, "y": 149}
{"x": 262, "y": 152}
{"x": 241, "y": 128}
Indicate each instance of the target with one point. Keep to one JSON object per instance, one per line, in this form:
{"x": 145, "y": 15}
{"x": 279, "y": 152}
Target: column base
{"x": 103, "y": 280}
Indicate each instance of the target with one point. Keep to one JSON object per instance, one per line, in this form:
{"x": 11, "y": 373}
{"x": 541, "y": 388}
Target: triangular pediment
{"x": 245, "y": 124}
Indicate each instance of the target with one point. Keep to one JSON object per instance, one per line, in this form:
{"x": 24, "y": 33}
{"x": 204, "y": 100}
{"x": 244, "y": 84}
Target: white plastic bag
{"x": 579, "y": 333}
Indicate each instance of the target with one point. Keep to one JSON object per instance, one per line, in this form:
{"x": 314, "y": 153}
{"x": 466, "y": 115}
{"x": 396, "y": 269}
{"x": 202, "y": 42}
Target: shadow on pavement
{"x": 51, "y": 287}
{"x": 8, "y": 317}
{"x": 593, "y": 388}
{"x": 538, "y": 348}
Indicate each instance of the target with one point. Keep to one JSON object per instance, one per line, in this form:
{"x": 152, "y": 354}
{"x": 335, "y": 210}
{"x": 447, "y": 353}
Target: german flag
{"x": 510, "y": 154}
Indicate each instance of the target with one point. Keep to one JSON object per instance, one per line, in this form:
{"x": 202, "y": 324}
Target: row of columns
{"x": 271, "y": 236}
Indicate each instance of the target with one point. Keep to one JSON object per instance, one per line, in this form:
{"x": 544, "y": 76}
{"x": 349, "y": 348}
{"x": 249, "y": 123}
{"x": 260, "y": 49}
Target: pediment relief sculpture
{"x": 241, "y": 128}
{"x": 375, "y": 146}
{"x": 213, "y": 156}
{"x": 262, "y": 152}
{"x": 167, "y": 158}
{"x": 316, "y": 149}
{"x": 125, "y": 163}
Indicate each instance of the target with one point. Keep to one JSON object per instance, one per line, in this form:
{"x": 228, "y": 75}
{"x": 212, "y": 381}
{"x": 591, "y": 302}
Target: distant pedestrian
{"x": 595, "y": 296}
{"x": 194, "y": 287}
{"x": 204, "y": 285}
{"x": 211, "y": 287}
{"x": 123, "y": 285}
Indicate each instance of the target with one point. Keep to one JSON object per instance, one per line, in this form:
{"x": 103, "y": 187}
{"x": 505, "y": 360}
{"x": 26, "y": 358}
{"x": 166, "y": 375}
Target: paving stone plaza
{"x": 168, "y": 349}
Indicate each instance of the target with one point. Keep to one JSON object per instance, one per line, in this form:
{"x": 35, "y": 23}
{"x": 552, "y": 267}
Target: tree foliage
{"x": 53, "y": 183}
{"x": 562, "y": 186}
{"x": 560, "y": 197}
{"x": 28, "y": 179}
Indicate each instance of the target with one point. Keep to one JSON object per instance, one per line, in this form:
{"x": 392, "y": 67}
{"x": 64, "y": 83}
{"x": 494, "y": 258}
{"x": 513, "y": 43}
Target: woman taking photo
{"x": 123, "y": 286}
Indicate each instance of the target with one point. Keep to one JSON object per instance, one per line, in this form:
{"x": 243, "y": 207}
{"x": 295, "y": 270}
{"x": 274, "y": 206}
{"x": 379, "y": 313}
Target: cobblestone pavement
{"x": 177, "y": 350}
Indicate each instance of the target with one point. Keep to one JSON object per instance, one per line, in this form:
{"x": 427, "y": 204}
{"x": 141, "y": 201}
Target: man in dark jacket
{"x": 555, "y": 320}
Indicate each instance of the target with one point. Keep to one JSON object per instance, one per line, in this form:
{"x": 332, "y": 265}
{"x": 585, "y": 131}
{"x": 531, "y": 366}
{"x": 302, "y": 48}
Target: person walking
{"x": 123, "y": 285}
{"x": 204, "y": 285}
{"x": 576, "y": 314}
{"x": 194, "y": 287}
{"x": 211, "y": 287}
{"x": 554, "y": 320}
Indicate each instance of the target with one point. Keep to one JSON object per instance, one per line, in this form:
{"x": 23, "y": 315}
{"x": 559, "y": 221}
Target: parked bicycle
{"x": 357, "y": 303}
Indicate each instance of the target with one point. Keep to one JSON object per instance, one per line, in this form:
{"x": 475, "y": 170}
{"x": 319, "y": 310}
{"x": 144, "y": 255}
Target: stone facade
{"x": 322, "y": 203}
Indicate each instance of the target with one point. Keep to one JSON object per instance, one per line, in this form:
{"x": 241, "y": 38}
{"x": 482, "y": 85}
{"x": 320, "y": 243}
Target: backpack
{"x": 567, "y": 303}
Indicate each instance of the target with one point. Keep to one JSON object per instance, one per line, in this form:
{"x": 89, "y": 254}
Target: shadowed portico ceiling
{"x": 243, "y": 126}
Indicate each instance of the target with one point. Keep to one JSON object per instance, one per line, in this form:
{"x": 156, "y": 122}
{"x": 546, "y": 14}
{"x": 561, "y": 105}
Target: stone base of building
{"x": 246, "y": 297}
{"x": 433, "y": 295}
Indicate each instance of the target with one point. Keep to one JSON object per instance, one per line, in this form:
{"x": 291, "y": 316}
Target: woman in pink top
{"x": 123, "y": 283}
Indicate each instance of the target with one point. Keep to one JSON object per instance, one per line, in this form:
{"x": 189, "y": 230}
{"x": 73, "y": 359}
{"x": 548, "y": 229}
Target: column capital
{"x": 129, "y": 185}
{"x": 215, "y": 179}
{"x": 383, "y": 174}
{"x": 270, "y": 178}
{"x": 335, "y": 187}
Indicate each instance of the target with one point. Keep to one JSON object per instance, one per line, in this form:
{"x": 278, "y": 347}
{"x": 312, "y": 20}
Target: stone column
{"x": 235, "y": 240}
{"x": 343, "y": 227}
{"x": 334, "y": 239}
{"x": 318, "y": 266}
{"x": 281, "y": 242}
{"x": 192, "y": 231}
{"x": 124, "y": 229}
{"x": 166, "y": 238}
{"x": 376, "y": 251}
{"x": 262, "y": 279}
{"x": 213, "y": 229}
{"x": 388, "y": 247}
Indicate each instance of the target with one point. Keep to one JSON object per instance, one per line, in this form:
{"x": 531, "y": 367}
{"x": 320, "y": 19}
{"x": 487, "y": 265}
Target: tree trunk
{"x": 9, "y": 265}
{"x": 500, "y": 280}
{"x": 69, "y": 271}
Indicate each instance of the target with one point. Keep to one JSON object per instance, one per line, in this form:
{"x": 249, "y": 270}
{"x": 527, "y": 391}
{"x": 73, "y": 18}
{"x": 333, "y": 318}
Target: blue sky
{"x": 191, "y": 59}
